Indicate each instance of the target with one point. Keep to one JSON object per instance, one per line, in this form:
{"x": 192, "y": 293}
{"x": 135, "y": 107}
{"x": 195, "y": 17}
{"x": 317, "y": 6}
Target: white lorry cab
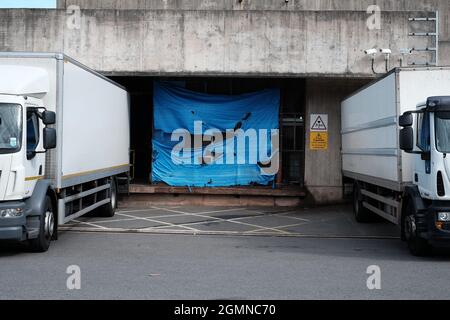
{"x": 64, "y": 140}
{"x": 426, "y": 136}
{"x": 395, "y": 152}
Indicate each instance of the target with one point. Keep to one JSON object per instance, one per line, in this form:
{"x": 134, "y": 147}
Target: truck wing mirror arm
{"x": 31, "y": 154}
{"x": 426, "y": 156}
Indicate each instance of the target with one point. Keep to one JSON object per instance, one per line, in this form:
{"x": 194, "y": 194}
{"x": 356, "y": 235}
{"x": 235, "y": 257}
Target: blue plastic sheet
{"x": 222, "y": 161}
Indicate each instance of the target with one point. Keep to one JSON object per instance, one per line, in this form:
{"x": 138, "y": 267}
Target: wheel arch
{"x": 357, "y": 188}
{"x": 51, "y": 193}
{"x": 411, "y": 195}
{"x": 35, "y": 205}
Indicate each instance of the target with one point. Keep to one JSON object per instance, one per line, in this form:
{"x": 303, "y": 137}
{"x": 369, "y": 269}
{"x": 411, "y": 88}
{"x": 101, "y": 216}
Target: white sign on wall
{"x": 318, "y": 136}
{"x": 319, "y": 122}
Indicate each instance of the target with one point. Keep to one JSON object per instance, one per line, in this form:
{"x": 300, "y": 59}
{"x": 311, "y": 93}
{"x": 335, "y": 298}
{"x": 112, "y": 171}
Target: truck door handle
{"x": 40, "y": 170}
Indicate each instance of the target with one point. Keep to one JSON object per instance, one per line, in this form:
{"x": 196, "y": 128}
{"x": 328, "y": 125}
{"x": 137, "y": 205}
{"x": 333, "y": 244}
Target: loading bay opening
{"x": 291, "y": 118}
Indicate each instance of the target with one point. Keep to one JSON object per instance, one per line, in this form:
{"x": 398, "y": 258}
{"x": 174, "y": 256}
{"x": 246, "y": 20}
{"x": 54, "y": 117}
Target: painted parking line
{"x": 278, "y": 214}
{"x": 202, "y": 213}
{"x": 220, "y": 219}
{"x": 158, "y": 221}
{"x": 114, "y": 220}
{"x": 135, "y": 210}
{"x": 131, "y": 219}
{"x": 233, "y": 222}
{"x": 258, "y": 227}
{"x": 281, "y": 227}
{"x": 155, "y": 217}
{"x": 270, "y": 215}
{"x": 89, "y": 224}
{"x": 209, "y": 218}
{"x": 190, "y": 225}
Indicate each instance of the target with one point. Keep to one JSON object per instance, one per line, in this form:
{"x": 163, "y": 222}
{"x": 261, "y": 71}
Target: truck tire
{"x": 417, "y": 246}
{"x": 362, "y": 214}
{"x": 46, "y": 229}
{"x": 109, "y": 209}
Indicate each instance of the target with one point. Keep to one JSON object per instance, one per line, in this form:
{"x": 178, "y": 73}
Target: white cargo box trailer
{"x": 371, "y": 143}
{"x": 91, "y": 128}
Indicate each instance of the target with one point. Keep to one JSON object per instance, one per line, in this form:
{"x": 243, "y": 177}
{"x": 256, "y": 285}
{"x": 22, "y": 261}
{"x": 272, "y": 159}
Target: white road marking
{"x": 278, "y": 214}
{"x": 154, "y": 217}
{"x": 269, "y": 215}
{"x": 280, "y": 227}
{"x": 224, "y": 210}
{"x": 90, "y": 224}
{"x": 157, "y": 221}
{"x": 115, "y": 220}
{"x": 135, "y": 210}
{"x": 178, "y": 213}
{"x": 219, "y": 219}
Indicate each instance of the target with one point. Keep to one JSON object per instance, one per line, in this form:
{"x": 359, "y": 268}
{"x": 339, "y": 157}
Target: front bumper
{"x": 13, "y": 228}
{"x": 12, "y": 233}
{"x": 426, "y": 225}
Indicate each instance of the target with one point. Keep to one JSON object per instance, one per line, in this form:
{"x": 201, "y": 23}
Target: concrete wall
{"x": 443, "y": 6}
{"x": 323, "y": 174}
{"x": 269, "y": 5}
{"x": 315, "y": 5}
{"x": 210, "y": 42}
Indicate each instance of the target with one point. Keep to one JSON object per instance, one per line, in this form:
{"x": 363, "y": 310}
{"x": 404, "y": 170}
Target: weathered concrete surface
{"x": 323, "y": 174}
{"x": 210, "y": 42}
{"x": 314, "y": 5}
{"x": 443, "y": 6}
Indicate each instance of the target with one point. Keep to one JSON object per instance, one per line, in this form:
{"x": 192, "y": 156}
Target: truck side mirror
{"x": 407, "y": 139}
{"x": 49, "y": 138}
{"x": 48, "y": 118}
{"x": 406, "y": 120}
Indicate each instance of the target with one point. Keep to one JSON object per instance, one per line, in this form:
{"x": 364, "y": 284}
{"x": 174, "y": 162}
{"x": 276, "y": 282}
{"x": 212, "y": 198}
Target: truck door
{"x": 34, "y": 167}
{"x": 422, "y": 176}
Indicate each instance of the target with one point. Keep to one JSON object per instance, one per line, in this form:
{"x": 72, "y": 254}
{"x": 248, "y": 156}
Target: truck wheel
{"x": 109, "y": 209}
{"x": 46, "y": 229}
{"x": 417, "y": 245}
{"x": 362, "y": 214}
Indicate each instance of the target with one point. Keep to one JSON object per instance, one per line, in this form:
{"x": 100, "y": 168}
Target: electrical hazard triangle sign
{"x": 319, "y": 122}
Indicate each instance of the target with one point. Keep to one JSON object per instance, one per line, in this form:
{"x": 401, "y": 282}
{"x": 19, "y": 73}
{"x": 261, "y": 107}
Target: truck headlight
{"x": 444, "y": 216}
{"x": 11, "y": 213}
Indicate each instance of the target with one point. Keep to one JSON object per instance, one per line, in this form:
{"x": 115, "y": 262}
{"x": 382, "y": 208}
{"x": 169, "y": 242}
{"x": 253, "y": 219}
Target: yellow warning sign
{"x": 318, "y": 141}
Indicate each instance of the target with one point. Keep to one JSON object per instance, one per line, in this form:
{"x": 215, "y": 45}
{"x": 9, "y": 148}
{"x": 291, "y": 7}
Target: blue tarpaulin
{"x": 193, "y": 140}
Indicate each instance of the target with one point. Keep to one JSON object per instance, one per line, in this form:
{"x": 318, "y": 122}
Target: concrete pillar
{"x": 323, "y": 177}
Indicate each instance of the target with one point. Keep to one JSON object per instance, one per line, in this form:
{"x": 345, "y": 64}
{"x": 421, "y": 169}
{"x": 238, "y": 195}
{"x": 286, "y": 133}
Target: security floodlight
{"x": 404, "y": 53}
{"x": 372, "y": 52}
{"x": 387, "y": 56}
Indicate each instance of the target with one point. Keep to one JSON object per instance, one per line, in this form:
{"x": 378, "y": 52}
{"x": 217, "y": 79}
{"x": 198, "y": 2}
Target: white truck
{"x": 64, "y": 139}
{"x": 395, "y": 140}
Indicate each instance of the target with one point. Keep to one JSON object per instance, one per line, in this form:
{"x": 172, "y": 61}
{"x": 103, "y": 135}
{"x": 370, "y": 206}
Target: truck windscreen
{"x": 442, "y": 124}
{"x": 10, "y": 127}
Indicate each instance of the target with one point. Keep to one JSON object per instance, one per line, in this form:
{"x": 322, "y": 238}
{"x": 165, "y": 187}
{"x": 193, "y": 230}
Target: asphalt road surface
{"x": 168, "y": 266}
